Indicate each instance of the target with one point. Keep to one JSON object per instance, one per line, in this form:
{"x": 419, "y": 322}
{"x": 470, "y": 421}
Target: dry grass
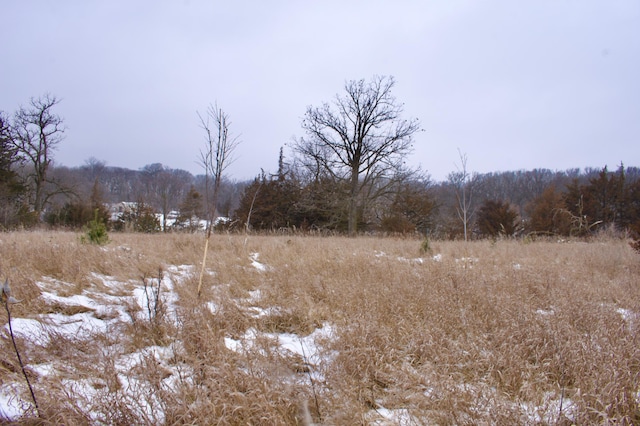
{"x": 491, "y": 333}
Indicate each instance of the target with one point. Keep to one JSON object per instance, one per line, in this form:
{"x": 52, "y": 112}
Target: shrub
{"x": 496, "y": 218}
{"x": 425, "y": 247}
{"x": 141, "y": 218}
{"x": 96, "y": 231}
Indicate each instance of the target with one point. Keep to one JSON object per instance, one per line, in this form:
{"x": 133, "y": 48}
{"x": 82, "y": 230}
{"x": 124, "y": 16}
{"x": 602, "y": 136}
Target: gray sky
{"x": 514, "y": 84}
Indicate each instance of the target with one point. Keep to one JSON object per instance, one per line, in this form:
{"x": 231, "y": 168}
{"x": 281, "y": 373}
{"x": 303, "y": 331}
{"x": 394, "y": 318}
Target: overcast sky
{"x": 513, "y": 84}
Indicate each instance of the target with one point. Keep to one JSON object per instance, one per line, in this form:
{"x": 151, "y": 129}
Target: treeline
{"x": 346, "y": 176}
{"x": 536, "y": 202}
{"x": 154, "y": 198}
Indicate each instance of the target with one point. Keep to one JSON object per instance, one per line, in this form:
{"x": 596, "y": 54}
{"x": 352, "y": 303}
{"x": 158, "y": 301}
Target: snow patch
{"x": 29, "y": 329}
{"x": 467, "y": 262}
{"x": 626, "y": 314}
{"x": 417, "y": 260}
{"x": 549, "y": 411}
{"x": 397, "y": 417}
{"x": 11, "y": 406}
{"x": 255, "y": 296}
{"x": 76, "y": 299}
{"x": 254, "y": 262}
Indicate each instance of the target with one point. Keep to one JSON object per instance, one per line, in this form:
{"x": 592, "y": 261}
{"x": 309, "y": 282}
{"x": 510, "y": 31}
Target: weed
{"x": 7, "y": 299}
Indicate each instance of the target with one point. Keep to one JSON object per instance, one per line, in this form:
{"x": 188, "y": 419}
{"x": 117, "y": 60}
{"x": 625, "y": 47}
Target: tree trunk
{"x": 353, "y": 204}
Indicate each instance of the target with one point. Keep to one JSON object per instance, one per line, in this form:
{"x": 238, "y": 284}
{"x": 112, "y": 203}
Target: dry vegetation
{"x": 486, "y": 333}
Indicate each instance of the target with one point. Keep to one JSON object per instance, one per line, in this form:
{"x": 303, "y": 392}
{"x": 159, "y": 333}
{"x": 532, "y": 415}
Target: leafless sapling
{"x": 215, "y": 158}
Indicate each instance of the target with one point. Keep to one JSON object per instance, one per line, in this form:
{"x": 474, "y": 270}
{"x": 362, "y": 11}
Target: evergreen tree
{"x": 269, "y": 203}
{"x": 496, "y": 218}
{"x": 191, "y": 210}
{"x": 604, "y": 200}
{"x": 547, "y": 213}
{"x": 411, "y": 209}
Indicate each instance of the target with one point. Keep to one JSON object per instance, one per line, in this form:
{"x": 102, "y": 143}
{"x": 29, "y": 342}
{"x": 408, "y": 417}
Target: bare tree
{"x": 36, "y": 131}
{"x": 164, "y": 188}
{"x": 215, "y": 159}
{"x": 463, "y": 182}
{"x": 94, "y": 168}
{"x": 11, "y": 188}
{"x": 360, "y": 139}
{"x": 217, "y": 155}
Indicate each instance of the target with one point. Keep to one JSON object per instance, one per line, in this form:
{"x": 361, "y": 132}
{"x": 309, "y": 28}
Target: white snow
{"x": 305, "y": 346}
{"x": 397, "y": 417}
{"x": 41, "y": 329}
{"x": 29, "y": 329}
{"x": 467, "y": 262}
{"x": 76, "y": 299}
{"x": 11, "y": 407}
{"x": 626, "y": 314}
{"x": 254, "y": 262}
{"x": 255, "y": 296}
{"x": 417, "y": 260}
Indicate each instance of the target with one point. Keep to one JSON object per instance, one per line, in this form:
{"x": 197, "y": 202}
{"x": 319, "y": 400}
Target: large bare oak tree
{"x": 35, "y": 132}
{"x": 359, "y": 139}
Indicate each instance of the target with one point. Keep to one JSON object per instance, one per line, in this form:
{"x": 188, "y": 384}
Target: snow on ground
{"x": 81, "y": 317}
{"x": 467, "y": 262}
{"x": 254, "y": 262}
{"x": 548, "y": 412}
{"x": 384, "y": 417}
{"x": 288, "y": 344}
{"x": 107, "y": 303}
{"x": 11, "y": 407}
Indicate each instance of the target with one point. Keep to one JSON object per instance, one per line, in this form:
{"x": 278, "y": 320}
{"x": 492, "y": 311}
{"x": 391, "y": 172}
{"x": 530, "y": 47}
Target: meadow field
{"x": 318, "y": 330}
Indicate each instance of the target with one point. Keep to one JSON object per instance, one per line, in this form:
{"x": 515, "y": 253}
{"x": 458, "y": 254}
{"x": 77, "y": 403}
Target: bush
{"x": 425, "y": 247}
{"x": 496, "y": 218}
{"x": 141, "y": 218}
{"x": 96, "y": 231}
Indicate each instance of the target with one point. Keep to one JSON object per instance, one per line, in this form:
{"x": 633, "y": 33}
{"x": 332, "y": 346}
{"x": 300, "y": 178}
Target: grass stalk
{"x": 5, "y": 295}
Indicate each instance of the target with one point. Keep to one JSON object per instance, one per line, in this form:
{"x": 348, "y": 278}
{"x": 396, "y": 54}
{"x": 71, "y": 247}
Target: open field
{"x": 306, "y": 330}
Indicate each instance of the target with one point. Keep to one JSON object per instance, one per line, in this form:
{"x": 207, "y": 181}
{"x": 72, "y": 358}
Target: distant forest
{"x": 348, "y": 176}
{"x": 533, "y": 202}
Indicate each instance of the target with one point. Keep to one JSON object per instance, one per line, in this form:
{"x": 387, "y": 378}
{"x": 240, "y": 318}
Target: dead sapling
{"x": 308, "y": 365}
{"x": 153, "y": 301}
{"x": 7, "y": 300}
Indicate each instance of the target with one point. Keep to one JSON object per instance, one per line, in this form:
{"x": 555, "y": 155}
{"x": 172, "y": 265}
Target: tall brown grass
{"x": 501, "y": 332}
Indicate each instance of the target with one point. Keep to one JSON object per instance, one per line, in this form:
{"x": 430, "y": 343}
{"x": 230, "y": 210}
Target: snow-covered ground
{"x": 98, "y": 312}
{"x": 95, "y": 312}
